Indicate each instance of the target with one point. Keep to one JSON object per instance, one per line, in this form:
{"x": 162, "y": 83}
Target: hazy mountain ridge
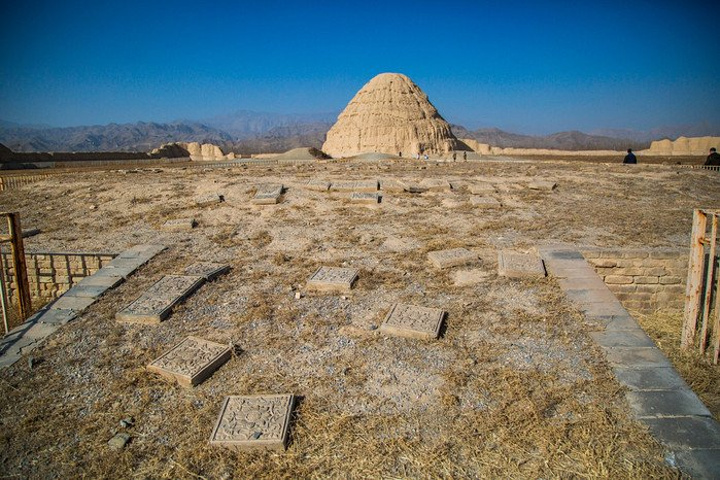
{"x": 256, "y": 132}
{"x": 141, "y": 136}
{"x": 572, "y": 140}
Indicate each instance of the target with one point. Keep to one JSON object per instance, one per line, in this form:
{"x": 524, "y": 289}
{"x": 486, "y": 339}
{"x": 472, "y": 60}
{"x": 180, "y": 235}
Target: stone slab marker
{"x": 179, "y": 225}
{"x": 413, "y": 322}
{"x": 209, "y": 199}
{"x": 208, "y": 270}
{"x": 259, "y": 421}
{"x": 519, "y": 265}
{"x": 332, "y": 279}
{"x": 435, "y": 185}
{"x": 318, "y": 185}
{"x": 155, "y": 304}
{"x": 365, "y": 198}
{"x": 546, "y": 185}
{"x": 481, "y": 188}
{"x": 393, "y": 186}
{"x": 267, "y": 194}
{"x": 451, "y": 258}
{"x": 485, "y": 202}
{"x": 191, "y": 361}
{"x": 355, "y": 186}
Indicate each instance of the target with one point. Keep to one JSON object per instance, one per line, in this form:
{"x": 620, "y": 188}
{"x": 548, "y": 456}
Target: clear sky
{"x": 532, "y": 67}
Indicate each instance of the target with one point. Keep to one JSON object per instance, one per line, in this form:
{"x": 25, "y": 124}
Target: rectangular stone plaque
{"x": 365, "y": 197}
{"x": 481, "y": 188}
{"x": 519, "y": 265}
{"x": 485, "y": 202}
{"x": 393, "y": 186}
{"x": 332, "y": 279}
{"x": 268, "y": 194}
{"x": 542, "y": 185}
{"x": 413, "y": 322}
{"x": 259, "y": 421}
{"x": 179, "y": 225}
{"x": 435, "y": 185}
{"x": 451, "y": 258}
{"x": 191, "y": 361}
{"x": 155, "y": 304}
{"x": 209, "y": 199}
{"x": 355, "y": 186}
{"x": 208, "y": 270}
{"x": 318, "y": 185}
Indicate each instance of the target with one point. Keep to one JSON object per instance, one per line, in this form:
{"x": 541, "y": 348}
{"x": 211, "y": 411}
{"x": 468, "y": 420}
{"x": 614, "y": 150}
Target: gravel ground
{"x": 514, "y": 387}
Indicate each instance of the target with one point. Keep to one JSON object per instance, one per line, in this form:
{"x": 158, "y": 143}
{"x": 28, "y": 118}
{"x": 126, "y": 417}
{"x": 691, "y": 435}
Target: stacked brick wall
{"x": 643, "y": 279}
{"x": 50, "y": 274}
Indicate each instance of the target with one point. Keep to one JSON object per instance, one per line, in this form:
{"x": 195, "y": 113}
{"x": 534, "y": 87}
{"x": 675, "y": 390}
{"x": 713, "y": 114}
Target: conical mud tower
{"x": 390, "y": 114}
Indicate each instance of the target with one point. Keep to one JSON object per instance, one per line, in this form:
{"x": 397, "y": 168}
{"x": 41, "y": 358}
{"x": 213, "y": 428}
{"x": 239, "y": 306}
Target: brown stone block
{"x": 645, "y": 280}
{"x": 453, "y": 257}
{"x": 604, "y": 263}
{"x": 618, "y": 279}
{"x": 191, "y": 361}
{"x": 668, "y": 280}
{"x": 247, "y": 422}
{"x": 332, "y": 279}
{"x": 413, "y": 322}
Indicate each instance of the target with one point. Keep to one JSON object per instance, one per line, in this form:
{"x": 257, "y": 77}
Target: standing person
{"x": 465, "y": 156}
{"x": 630, "y": 157}
{"x": 713, "y": 158}
{"x": 454, "y": 156}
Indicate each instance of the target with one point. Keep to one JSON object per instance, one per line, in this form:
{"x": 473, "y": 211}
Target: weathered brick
{"x": 667, "y": 280}
{"x": 629, "y": 271}
{"x": 641, "y": 280}
{"x": 618, "y": 279}
{"x": 668, "y": 254}
{"x": 654, "y": 271}
{"x": 604, "y": 263}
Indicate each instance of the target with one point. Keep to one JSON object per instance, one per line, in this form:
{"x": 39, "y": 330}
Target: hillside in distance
{"x": 135, "y": 137}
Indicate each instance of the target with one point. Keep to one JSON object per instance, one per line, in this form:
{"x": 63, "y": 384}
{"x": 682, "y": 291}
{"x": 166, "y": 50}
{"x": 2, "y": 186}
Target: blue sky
{"x": 531, "y": 67}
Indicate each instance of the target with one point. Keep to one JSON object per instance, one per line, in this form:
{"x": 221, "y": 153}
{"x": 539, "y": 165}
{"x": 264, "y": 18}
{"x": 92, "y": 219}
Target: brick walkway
{"x": 658, "y": 396}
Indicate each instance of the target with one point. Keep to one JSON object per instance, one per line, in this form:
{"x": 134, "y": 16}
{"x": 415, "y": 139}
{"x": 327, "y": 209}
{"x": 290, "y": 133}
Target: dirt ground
{"x": 514, "y": 387}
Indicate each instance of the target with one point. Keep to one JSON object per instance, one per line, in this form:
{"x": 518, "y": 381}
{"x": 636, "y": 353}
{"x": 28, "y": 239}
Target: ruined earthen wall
{"x": 643, "y": 279}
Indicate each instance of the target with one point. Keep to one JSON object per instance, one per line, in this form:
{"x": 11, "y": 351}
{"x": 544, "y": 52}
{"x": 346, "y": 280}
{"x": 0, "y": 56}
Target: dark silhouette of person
{"x": 454, "y": 156}
{"x": 714, "y": 158}
{"x": 630, "y": 157}
{"x": 464, "y": 155}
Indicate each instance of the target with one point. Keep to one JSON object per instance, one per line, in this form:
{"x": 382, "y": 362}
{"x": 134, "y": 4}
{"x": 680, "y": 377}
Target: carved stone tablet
{"x": 435, "y": 185}
{"x": 191, "y": 361}
{"x": 208, "y": 270}
{"x": 332, "y": 279}
{"x": 365, "y": 197}
{"x": 179, "y": 225}
{"x": 355, "y": 186}
{"x": 485, "y": 202}
{"x": 260, "y": 421}
{"x": 451, "y": 258}
{"x": 155, "y": 304}
{"x": 393, "y": 186}
{"x": 413, "y": 322}
{"x": 318, "y": 185}
{"x": 268, "y": 194}
{"x": 519, "y": 265}
{"x": 481, "y": 188}
{"x": 542, "y": 185}
{"x": 208, "y": 199}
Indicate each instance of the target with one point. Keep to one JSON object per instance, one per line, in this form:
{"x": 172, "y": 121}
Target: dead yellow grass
{"x": 665, "y": 327}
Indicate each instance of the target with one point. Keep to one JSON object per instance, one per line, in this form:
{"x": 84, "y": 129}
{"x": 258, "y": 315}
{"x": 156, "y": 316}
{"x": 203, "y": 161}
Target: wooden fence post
{"x": 18, "y": 256}
{"x": 696, "y": 266}
{"x": 709, "y": 283}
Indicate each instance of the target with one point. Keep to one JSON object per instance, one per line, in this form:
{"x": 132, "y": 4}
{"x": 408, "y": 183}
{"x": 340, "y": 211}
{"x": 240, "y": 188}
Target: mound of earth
{"x": 390, "y": 114}
{"x": 303, "y": 153}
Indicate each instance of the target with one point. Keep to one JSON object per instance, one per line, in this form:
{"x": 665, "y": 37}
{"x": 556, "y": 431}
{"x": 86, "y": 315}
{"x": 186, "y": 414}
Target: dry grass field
{"x": 513, "y": 388}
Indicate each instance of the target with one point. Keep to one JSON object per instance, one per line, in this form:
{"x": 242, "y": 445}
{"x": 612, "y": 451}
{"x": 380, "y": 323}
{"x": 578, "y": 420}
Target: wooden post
{"x": 694, "y": 281}
{"x": 716, "y": 325}
{"x": 18, "y": 256}
{"x": 3, "y": 293}
{"x": 709, "y": 284}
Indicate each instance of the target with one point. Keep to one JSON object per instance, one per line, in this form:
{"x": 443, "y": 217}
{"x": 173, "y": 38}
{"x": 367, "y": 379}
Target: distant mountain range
{"x": 255, "y": 132}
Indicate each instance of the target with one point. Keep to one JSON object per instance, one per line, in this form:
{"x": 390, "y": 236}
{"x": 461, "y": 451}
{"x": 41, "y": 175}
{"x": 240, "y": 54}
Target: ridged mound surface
{"x": 390, "y": 114}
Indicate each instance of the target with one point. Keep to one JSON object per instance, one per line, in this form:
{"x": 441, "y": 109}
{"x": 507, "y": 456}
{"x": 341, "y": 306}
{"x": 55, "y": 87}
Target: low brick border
{"x": 657, "y": 395}
{"x": 29, "y": 335}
